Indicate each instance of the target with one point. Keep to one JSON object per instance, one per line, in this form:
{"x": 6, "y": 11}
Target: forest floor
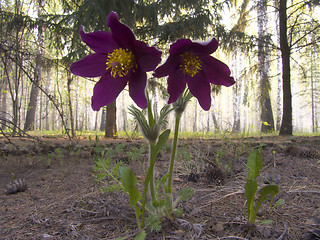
{"x": 63, "y": 199}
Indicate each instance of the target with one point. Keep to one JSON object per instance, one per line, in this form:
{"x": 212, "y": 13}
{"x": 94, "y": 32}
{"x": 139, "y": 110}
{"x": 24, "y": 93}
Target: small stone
{"x": 237, "y": 219}
{"x": 272, "y": 178}
{"x": 264, "y": 231}
{"x": 218, "y": 227}
{"x": 195, "y": 211}
{"x": 46, "y": 236}
{"x": 311, "y": 221}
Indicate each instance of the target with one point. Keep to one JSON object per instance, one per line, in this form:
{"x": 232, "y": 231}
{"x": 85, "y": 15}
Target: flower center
{"x": 120, "y": 61}
{"x": 191, "y": 63}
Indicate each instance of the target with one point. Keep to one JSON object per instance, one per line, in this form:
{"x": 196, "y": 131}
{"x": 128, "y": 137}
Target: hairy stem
{"x": 149, "y": 179}
{"x": 173, "y": 154}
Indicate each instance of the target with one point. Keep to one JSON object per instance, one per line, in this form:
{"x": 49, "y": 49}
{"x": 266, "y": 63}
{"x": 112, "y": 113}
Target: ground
{"x": 63, "y": 199}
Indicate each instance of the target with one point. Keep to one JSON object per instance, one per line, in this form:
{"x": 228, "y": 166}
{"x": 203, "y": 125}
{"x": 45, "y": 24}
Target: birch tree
{"x": 33, "y": 102}
{"x": 266, "y": 114}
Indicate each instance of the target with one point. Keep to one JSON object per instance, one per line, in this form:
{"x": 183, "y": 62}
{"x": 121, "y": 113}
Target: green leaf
{"x": 141, "y": 236}
{"x": 250, "y": 188}
{"x": 254, "y": 164}
{"x": 129, "y": 181}
{"x": 186, "y": 193}
{"x": 154, "y": 223}
{"x": 267, "y": 222}
{"x": 280, "y": 202}
{"x": 178, "y": 212}
{"x": 264, "y": 192}
{"x": 99, "y": 150}
{"x": 151, "y": 119}
{"x": 163, "y": 115}
{"x": 163, "y": 138}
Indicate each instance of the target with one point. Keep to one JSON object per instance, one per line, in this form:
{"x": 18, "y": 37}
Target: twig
{"x": 225, "y": 196}
{"x": 16, "y": 146}
{"x": 297, "y": 191}
{"x": 284, "y": 232}
{"x": 231, "y": 237}
{"x": 21, "y": 132}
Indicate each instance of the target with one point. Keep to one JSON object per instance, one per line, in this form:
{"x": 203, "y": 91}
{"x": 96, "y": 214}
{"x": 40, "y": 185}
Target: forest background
{"x": 271, "y": 47}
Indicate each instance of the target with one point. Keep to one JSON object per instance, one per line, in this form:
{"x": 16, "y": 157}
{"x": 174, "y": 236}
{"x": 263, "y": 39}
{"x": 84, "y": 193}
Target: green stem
{"x": 173, "y": 155}
{"x": 149, "y": 179}
{"x": 153, "y": 157}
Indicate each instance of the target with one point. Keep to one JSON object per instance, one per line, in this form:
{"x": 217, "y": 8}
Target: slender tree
{"x": 33, "y": 102}
{"x": 266, "y": 114}
{"x": 236, "y": 93}
{"x": 286, "y": 125}
{"x": 295, "y": 30}
{"x": 70, "y": 80}
{"x": 111, "y": 120}
{"x": 15, "y": 86}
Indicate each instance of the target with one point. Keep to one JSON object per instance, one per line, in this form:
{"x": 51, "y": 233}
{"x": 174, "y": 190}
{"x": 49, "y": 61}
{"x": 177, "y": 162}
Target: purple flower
{"x": 190, "y": 63}
{"x": 118, "y": 59}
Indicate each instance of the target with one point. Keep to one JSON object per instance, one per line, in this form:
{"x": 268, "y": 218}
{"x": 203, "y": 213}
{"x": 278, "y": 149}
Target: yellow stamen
{"x": 191, "y": 63}
{"x": 120, "y": 61}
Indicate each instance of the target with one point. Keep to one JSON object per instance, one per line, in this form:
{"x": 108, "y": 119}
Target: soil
{"x": 63, "y": 198}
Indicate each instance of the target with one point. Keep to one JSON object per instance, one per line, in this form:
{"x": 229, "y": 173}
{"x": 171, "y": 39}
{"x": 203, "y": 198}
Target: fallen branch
{"x": 306, "y": 191}
{"x": 284, "y": 232}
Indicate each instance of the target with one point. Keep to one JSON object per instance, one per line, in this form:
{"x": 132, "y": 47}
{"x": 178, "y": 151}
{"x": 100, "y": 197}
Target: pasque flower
{"x": 190, "y": 63}
{"x": 119, "y": 59}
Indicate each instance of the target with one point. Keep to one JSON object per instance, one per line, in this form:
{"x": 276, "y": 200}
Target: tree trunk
{"x": 195, "y": 120}
{"x": 103, "y": 119}
{"x": 18, "y": 66}
{"x": 235, "y": 93}
{"x": 40, "y": 112}
{"x": 208, "y": 121}
{"x": 77, "y": 110}
{"x": 124, "y": 114}
{"x": 73, "y": 134}
{"x": 47, "y": 101}
{"x": 54, "y": 112}
{"x": 215, "y": 122}
{"x": 95, "y": 122}
{"x": 286, "y": 124}
{"x": 313, "y": 73}
{"x": 33, "y": 102}
{"x": 279, "y": 78}
{"x": 111, "y": 120}
{"x": 312, "y": 96}
{"x": 236, "y": 110}
{"x": 266, "y": 115}
{"x": 3, "y": 111}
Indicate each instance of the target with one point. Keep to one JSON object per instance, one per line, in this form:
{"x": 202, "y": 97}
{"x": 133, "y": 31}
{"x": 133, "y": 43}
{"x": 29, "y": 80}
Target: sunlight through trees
{"x": 272, "y": 48}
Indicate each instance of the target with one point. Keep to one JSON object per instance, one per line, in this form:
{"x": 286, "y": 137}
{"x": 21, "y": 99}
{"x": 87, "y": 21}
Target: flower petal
{"x": 147, "y": 57}
{"x": 172, "y": 64}
{"x": 216, "y": 71}
{"x": 100, "y": 42}
{"x": 176, "y": 85}
{"x": 200, "y": 88}
{"x": 93, "y": 65}
{"x": 203, "y": 48}
{"x": 179, "y": 46}
{"x": 120, "y": 32}
{"x": 107, "y": 90}
{"x": 137, "y": 86}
